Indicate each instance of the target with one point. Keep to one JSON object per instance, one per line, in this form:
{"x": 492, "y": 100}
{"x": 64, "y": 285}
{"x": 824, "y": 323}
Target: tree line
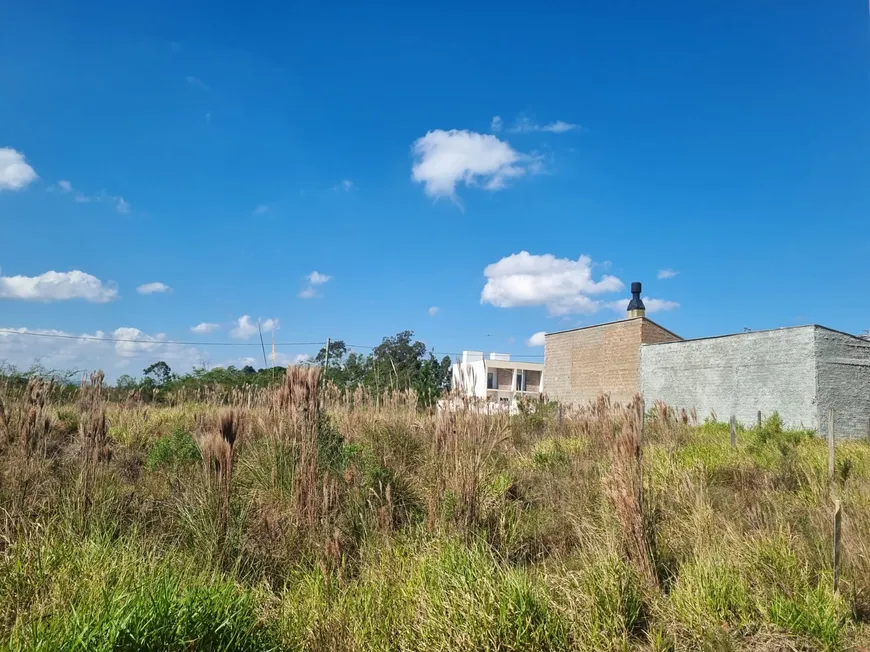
{"x": 398, "y": 363}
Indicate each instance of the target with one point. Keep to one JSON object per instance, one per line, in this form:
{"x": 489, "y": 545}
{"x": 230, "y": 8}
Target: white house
{"x": 497, "y": 378}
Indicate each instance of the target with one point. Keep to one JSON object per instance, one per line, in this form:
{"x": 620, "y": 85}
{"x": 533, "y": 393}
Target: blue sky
{"x": 230, "y": 151}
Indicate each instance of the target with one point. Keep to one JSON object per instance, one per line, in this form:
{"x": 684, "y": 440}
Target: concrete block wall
{"x": 843, "y": 383}
{"x": 583, "y": 363}
{"x": 504, "y": 379}
{"x": 771, "y": 371}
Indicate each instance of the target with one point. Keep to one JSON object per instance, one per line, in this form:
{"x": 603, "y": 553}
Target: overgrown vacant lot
{"x": 303, "y": 520}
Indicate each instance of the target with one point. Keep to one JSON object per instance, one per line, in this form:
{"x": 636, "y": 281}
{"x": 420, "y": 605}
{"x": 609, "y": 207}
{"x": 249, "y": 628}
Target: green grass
{"x": 177, "y": 448}
{"x": 501, "y": 539}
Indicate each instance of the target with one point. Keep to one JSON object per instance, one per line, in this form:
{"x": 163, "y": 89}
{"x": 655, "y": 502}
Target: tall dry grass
{"x": 310, "y": 519}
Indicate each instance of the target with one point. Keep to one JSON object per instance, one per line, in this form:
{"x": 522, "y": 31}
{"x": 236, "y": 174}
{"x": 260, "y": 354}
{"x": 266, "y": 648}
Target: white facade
{"x": 497, "y": 379}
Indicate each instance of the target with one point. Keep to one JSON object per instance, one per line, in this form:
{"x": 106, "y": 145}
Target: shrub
{"x": 178, "y": 448}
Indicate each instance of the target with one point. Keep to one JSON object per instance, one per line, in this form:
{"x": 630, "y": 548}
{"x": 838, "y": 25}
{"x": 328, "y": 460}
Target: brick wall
{"x": 581, "y": 364}
{"x": 533, "y": 381}
{"x": 505, "y": 378}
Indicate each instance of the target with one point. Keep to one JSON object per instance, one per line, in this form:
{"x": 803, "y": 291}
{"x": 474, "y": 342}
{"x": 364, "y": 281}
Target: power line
{"x": 453, "y": 354}
{"x": 124, "y": 340}
{"x": 93, "y": 338}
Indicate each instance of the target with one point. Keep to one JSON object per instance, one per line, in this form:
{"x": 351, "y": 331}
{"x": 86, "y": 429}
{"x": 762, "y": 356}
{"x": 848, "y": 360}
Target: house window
{"x": 521, "y": 380}
{"x": 490, "y": 380}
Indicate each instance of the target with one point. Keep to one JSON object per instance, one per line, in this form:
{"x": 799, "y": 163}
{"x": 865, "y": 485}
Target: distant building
{"x": 800, "y": 372}
{"x": 583, "y": 363}
{"x": 497, "y": 378}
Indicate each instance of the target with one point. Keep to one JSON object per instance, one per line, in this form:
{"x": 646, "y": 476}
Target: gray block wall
{"x": 843, "y": 383}
{"x": 799, "y": 372}
{"x": 771, "y": 371}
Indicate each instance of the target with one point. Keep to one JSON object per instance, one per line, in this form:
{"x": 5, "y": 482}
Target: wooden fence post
{"x": 759, "y": 419}
{"x": 733, "y": 431}
{"x": 831, "y": 444}
{"x": 838, "y": 517}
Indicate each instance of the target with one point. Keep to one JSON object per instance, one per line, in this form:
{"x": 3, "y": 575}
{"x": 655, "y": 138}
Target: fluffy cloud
{"x": 446, "y": 158}
{"x": 537, "y": 339}
{"x": 153, "y": 288}
{"x": 496, "y": 125}
{"x": 314, "y": 279}
{"x": 562, "y": 285}
{"x": 666, "y": 274}
{"x": 205, "y": 327}
{"x": 124, "y": 350}
{"x": 433, "y": 310}
{"x": 57, "y": 286}
{"x": 15, "y": 173}
{"x": 246, "y": 328}
{"x": 652, "y": 305}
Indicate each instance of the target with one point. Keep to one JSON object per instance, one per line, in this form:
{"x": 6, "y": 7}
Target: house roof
{"x": 765, "y": 330}
{"x": 514, "y": 364}
{"x": 610, "y": 323}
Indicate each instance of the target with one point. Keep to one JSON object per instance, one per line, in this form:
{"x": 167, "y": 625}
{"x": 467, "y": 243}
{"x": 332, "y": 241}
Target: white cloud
{"x": 121, "y": 204}
{"x": 560, "y": 284}
{"x": 666, "y": 274}
{"x": 316, "y": 278}
{"x": 537, "y": 339}
{"x": 261, "y": 209}
{"x": 302, "y": 358}
{"x": 433, "y": 310}
{"x": 246, "y": 328}
{"x": 445, "y": 158}
{"x": 196, "y": 82}
{"x": 57, "y": 286}
{"x": 152, "y": 288}
{"x": 525, "y": 125}
{"x": 270, "y": 324}
{"x": 15, "y": 173}
{"x": 345, "y": 184}
{"x": 652, "y": 305}
{"x": 63, "y": 351}
{"x": 659, "y": 305}
{"x": 496, "y": 124}
{"x": 205, "y": 327}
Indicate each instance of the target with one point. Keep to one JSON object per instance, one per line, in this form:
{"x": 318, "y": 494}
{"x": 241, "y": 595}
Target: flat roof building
{"x": 800, "y": 372}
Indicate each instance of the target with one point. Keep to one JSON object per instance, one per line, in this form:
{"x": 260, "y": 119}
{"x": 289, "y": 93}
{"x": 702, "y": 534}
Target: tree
{"x": 126, "y": 382}
{"x": 337, "y": 351}
{"x": 397, "y": 360}
{"x": 160, "y": 372}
